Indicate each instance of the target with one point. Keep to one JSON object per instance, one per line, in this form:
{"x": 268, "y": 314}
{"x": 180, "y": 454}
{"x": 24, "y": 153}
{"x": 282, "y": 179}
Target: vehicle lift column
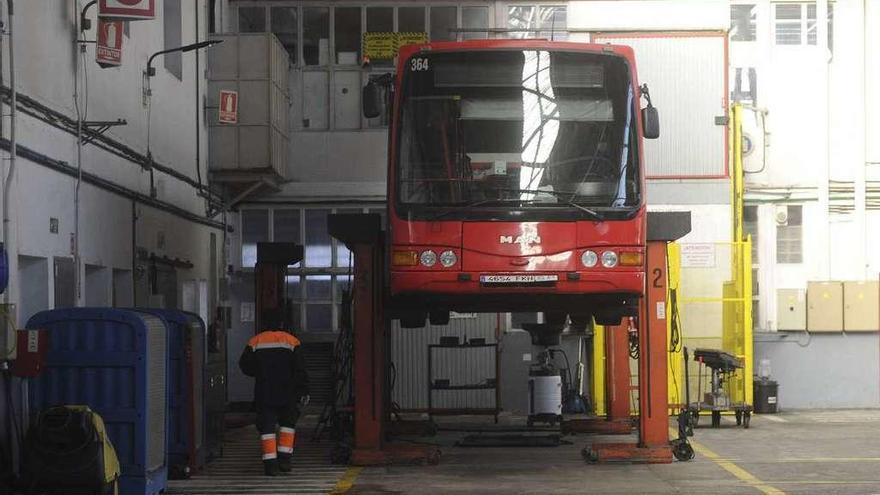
{"x": 617, "y": 420}
{"x": 362, "y": 234}
{"x": 273, "y": 258}
{"x": 653, "y": 436}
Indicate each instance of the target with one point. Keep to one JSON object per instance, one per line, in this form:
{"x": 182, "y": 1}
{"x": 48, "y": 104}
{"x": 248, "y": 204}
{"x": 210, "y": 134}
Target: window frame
{"x": 803, "y": 22}
{"x": 789, "y": 256}
{"x": 335, "y": 271}
{"x": 752, "y": 25}
{"x": 332, "y": 67}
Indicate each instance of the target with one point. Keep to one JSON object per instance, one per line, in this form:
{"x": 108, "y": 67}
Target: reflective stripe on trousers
{"x": 286, "y": 440}
{"x": 269, "y": 448}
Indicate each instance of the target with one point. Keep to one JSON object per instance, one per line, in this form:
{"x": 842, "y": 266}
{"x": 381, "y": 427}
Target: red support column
{"x": 653, "y": 393}
{"x": 368, "y": 371}
{"x": 617, "y": 387}
{"x": 653, "y": 444}
{"x": 617, "y": 372}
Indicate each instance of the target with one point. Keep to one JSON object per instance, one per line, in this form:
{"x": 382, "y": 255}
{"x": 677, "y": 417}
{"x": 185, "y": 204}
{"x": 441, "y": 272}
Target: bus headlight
{"x": 589, "y": 259}
{"x": 609, "y": 259}
{"x": 428, "y": 258}
{"x": 448, "y": 258}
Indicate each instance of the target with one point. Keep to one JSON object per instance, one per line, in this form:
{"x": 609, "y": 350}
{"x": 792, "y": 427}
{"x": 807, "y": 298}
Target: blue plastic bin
{"x": 114, "y": 361}
{"x": 184, "y": 326}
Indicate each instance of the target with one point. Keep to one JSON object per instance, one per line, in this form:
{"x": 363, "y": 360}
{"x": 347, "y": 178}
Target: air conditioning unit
{"x": 782, "y": 215}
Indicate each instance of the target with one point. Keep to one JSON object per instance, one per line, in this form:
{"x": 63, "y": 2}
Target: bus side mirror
{"x": 372, "y": 100}
{"x": 650, "y": 122}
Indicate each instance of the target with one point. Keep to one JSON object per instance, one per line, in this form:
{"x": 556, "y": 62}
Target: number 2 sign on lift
{"x": 418, "y": 65}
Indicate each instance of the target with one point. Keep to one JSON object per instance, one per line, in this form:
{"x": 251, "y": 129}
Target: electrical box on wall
{"x": 31, "y": 349}
{"x": 825, "y": 306}
{"x": 861, "y": 306}
{"x": 791, "y": 309}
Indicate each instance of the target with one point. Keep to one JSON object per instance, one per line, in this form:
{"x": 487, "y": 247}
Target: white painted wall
{"x": 820, "y": 127}
{"x": 45, "y": 61}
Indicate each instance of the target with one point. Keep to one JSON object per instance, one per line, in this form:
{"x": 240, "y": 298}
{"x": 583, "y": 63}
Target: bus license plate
{"x": 517, "y": 279}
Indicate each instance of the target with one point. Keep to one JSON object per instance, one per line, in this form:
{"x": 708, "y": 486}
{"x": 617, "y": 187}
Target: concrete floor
{"x": 810, "y": 452}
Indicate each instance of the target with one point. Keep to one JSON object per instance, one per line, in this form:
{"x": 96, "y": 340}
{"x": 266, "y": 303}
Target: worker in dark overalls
{"x": 275, "y": 359}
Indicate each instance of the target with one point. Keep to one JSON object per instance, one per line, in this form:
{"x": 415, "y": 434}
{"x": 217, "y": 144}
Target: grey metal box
{"x": 791, "y": 309}
{"x": 256, "y": 66}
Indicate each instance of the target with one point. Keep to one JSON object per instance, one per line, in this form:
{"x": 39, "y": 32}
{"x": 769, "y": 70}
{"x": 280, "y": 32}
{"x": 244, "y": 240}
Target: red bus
{"x": 516, "y": 180}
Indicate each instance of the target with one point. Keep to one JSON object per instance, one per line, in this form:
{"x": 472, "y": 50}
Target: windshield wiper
{"x": 473, "y": 204}
{"x": 562, "y": 195}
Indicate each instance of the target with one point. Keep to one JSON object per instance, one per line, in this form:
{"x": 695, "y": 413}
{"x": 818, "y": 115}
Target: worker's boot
{"x": 284, "y": 463}
{"x": 270, "y": 467}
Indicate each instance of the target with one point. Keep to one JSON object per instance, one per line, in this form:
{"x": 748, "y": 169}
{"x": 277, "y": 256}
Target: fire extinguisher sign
{"x": 228, "y": 107}
{"x": 108, "y": 51}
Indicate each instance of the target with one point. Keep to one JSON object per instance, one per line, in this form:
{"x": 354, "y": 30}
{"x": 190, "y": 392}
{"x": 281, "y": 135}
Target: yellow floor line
{"x": 347, "y": 481}
{"x": 736, "y": 470}
{"x": 731, "y": 467}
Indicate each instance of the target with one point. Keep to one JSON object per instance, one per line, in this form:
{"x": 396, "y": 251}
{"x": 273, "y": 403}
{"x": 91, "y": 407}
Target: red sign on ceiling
{"x": 127, "y": 9}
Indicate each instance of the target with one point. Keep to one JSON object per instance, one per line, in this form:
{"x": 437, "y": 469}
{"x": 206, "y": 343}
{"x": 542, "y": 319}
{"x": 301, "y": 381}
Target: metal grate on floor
{"x": 240, "y": 470}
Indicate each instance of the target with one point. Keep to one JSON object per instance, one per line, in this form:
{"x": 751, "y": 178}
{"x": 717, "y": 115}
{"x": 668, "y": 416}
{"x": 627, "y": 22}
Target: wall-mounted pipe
{"x": 13, "y": 148}
{"x": 104, "y": 184}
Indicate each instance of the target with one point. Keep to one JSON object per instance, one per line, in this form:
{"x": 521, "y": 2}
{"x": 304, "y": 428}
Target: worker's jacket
{"x": 274, "y": 358}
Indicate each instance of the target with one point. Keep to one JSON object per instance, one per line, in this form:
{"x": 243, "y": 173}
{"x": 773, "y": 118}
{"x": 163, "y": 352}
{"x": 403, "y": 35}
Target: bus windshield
{"x": 521, "y": 128}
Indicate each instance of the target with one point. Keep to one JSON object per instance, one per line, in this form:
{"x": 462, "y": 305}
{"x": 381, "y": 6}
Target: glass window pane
{"x": 254, "y": 229}
{"x": 348, "y": 35}
{"x": 742, "y": 22}
{"x": 788, "y": 11}
{"x": 317, "y": 239}
{"x": 475, "y": 18}
{"x": 554, "y": 19}
{"x": 283, "y": 21}
{"x": 811, "y": 23}
{"x": 788, "y": 33}
{"x": 295, "y": 317}
{"x": 251, "y": 19}
{"x": 380, "y": 19}
{"x": 319, "y": 317}
{"x": 286, "y": 226}
{"x": 795, "y": 215}
{"x": 442, "y": 20}
{"x": 343, "y": 283}
{"x": 411, "y": 19}
{"x": 830, "y": 26}
{"x": 521, "y": 17}
{"x": 318, "y": 288}
{"x": 293, "y": 287}
{"x": 342, "y": 252}
{"x": 316, "y": 35}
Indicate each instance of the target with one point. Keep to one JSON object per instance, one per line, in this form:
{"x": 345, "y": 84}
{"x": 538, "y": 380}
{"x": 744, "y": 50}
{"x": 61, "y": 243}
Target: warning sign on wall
{"x": 108, "y": 48}
{"x": 228, "y": 107}
{"x": 385, "y": 45}
{"x": 698, "y": 255}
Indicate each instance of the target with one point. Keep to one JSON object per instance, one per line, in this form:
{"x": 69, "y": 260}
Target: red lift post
{"x": 362, "y": 234}
{"x": 653, "y": 435}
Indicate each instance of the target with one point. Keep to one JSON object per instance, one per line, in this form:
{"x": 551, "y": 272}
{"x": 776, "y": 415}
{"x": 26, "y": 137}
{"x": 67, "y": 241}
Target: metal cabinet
{"x": 791, "y": 309}
{"x": 861, "y": 306}
{"x": 825, "y": 306}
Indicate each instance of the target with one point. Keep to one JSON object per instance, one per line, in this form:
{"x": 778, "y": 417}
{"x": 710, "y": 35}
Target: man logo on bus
{"x": 525, "y": 240}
